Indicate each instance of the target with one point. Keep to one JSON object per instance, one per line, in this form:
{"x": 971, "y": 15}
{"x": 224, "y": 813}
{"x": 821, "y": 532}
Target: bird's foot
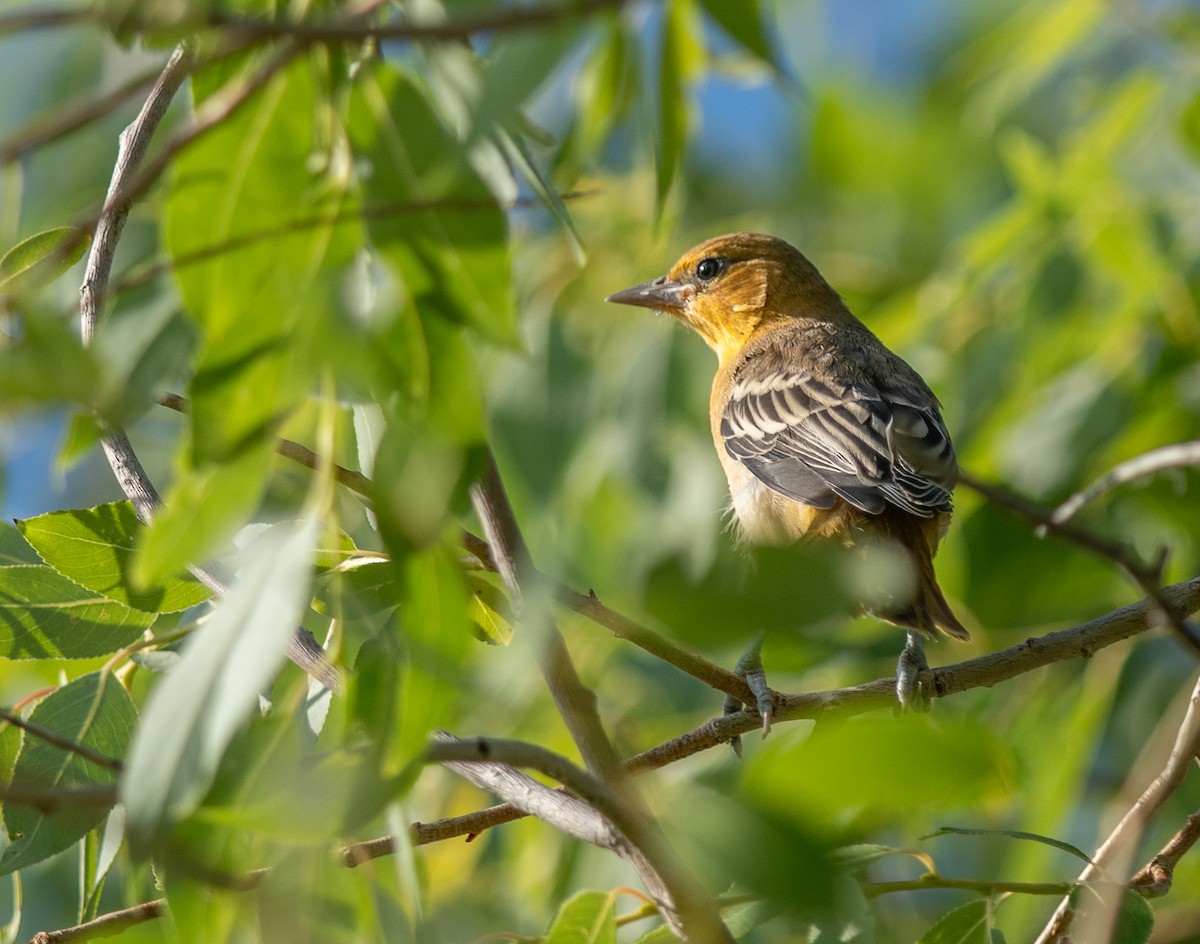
{"x": 909, "y": 691}
{"x": 750, "y": 667}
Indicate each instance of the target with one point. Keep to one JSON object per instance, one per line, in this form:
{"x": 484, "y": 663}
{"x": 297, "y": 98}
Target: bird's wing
{"x": 817, "y": 441}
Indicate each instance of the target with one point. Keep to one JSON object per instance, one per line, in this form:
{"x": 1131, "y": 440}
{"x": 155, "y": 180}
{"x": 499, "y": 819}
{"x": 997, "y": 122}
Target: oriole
{"x": 821, "y": 430}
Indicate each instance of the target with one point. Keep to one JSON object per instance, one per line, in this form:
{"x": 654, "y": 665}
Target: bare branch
{"x": 1147, "y": 577}
{"x": 1154, "y": 878}
{"x": 105, "y": 925}
{"x": 1116, "y": 850}
{"x": 593, "y": 813}
{"x": 1156, "y": 460}
{"x": 52, "y": 799}
{"x": 64, "y": 743}
{"x": 688, "y": 910}
{"x": 506, "y": 19}
{"x": 983, "y": 672}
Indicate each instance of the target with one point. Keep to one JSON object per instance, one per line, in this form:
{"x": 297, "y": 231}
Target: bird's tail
{"x": 927, "y": 610}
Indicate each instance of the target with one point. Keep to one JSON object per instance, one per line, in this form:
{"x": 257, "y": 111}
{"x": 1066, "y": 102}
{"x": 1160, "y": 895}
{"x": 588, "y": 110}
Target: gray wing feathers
{"x": 816, "y": 442}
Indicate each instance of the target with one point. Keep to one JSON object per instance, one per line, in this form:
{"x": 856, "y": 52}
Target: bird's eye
{"x": 708, "y": 269}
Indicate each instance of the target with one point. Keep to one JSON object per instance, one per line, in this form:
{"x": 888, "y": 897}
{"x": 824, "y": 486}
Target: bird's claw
{"x": 909, "y": 692}
{"x": 750, "y": 667}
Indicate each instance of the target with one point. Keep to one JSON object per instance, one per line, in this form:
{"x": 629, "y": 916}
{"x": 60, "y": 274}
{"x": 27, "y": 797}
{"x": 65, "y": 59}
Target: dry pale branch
{"x": 1117, "y": 849}
{"x": 1154, "y": 878}
{"x": 1156, "y": 460}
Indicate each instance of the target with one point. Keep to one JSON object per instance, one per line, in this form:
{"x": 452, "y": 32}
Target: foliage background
{"x": 1006, "y": 193}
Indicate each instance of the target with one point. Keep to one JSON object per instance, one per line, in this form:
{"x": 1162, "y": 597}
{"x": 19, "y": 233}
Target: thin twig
{"x": 146, "y": 273}
{"x": 1147, "y": 577}
{"x": 983, "y": 672}
{"x": 27, "y": 20}
{"x": 507, "y": 19}
{"x": 1119, "y": 845}
{"x": 105, "y": 925}
{"x": 63, "y": 743}
{"x": 50, "y": 800}
{"x": 1156, "y": 460}
{"x": 1154, "y": 878}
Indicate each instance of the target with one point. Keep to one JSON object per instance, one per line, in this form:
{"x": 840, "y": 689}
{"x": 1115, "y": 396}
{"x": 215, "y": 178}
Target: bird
{"x": 823, "y": 432}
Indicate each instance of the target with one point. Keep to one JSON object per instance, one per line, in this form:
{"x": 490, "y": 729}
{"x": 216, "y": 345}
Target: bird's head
{"x": 730, "y": 287}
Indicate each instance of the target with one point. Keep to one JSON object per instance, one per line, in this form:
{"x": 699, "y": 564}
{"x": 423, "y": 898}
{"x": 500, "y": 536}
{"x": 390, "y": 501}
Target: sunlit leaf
{"x": 43, "y": 615}
{"x": 584, "y": 918}
{"x": 94, "y": 548}
{"x": 43, "y": 257}
{"x": 968, "y": 924}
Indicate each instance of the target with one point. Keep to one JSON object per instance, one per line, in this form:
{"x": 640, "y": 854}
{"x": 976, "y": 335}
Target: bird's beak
{"x": 660, "y": 293}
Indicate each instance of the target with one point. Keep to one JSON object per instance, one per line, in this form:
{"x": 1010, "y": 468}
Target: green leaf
{"x": 969, "y": 924}
{"x": 43, "y": 257}
{"x": 260, "y": 255}
{"x": 200, "y": 515}
{"x": 94, "y": 548}
{"x": 450, "y": 250}
{"x": 678, "y": 39}
{"x": 1135, "y": 920}
{"x": 586, "y": 917}
{"x": 94, "y": 711}
{"x": 192, "y": 714}
{"x": 45, "y": 365}
{"x": 1012, "y": 834}
{"x": 14, "y": 549}
{"x": 741, "y": 19}
{"x": 43, "y": 615}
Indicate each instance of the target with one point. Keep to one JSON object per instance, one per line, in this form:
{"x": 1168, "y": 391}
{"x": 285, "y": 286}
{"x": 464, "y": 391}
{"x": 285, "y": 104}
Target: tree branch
{"x": 1147, "y": 577}
{"x": 1115, "y": 851}
{"x": 1154, "y": 878}
{"x": 1156, "y": 460}
{"x": 106, "y": 925}
{"x": 983, "y": 672}
{"x": 688, "y": 910}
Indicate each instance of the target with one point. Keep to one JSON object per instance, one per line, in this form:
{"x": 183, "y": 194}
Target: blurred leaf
{"x": 677, "y": 57}
{"x": 94, "y": 711}
{"x": 47, "y": 363}
{"x": 585, "y": 918}
{"x": 742, "y": 19}
{"x": 969, "y": 924}
{"x": 879, "y": 762}
{"x": 748, "y": 591}
{"x": 857, "y": 857}
{"x": 143, "y": 353}
{"x": 191, "y": 715}
{"x": 199, "y": 516}
{"x": 1189, "y": 123}
{"x": 94, "y": 547}
{"x": 450, "y": 252}
{"x": 43, "y": 615}
{"x": 1135, "y": 920}
{"x": 489, "y": 604}
{"x": 264, "y": 255}
{"x": 745, "y": 843}
{"x": 309, "y": 898}
{"x": 43, "y": 257}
